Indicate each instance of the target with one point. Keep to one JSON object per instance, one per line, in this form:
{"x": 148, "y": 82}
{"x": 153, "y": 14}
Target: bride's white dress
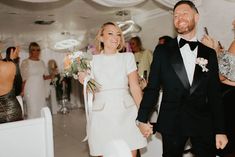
{"x": 34, "y": 90}
{"x": 114, "y": 110}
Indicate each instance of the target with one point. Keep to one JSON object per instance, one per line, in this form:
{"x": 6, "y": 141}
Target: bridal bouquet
{"x": 79, "y": 61}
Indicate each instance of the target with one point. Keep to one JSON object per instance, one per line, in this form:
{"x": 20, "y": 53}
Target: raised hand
{"x": 15, "y": 53}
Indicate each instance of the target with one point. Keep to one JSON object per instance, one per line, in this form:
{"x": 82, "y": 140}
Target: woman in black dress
{"x": 226, "y": 60}
{"x": 10, "y": 109}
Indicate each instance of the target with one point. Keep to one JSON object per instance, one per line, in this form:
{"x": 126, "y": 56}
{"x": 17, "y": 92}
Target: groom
{"x": 191, "y": 105}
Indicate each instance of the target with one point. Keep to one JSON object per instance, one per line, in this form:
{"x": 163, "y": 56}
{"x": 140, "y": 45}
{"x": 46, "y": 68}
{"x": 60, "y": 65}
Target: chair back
{"x": 28, "y": 138}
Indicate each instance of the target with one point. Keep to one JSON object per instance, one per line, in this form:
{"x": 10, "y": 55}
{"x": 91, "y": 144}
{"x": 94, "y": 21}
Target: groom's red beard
{"x": 187, "y": 29}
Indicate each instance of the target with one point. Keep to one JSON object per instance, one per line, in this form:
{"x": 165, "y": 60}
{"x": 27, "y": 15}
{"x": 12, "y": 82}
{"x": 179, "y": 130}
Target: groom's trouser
{"x": 202, "y": 146}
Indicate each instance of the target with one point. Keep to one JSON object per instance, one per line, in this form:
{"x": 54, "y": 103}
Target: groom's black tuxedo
{"x": 187, "y": 110}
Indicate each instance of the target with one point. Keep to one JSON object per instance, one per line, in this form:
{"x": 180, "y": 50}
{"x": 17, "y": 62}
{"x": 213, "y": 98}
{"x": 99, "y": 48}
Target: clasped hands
{"x": 146, "y": 129}
{"x": 221, "y": 141}
{"x": 142, "y": 82}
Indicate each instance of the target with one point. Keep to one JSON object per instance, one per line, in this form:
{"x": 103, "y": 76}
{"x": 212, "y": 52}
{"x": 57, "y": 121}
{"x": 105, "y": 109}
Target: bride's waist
{"x": 113, "y": 90}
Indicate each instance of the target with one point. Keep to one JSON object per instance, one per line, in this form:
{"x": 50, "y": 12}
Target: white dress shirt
{"x": 189, "y": 58}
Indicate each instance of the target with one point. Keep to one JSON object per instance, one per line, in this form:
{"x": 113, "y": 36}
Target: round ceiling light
{"x": 66, "y": 44}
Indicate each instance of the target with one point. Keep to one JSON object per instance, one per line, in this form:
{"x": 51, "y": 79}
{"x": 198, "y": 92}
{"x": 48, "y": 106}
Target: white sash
{"x": 88, "y": 97}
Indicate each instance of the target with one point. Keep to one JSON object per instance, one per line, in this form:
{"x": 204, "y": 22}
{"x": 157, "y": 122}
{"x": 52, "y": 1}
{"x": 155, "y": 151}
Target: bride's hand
{"x": 146, "y": 129}
{"x": 81, "y": 76}
{"x": 142, "y": 83}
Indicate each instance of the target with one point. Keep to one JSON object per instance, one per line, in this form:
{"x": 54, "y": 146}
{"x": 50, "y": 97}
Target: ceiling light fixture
{"x": 68, "y": 41}
{"x": 44, "y": 22}
{"x": 129, "y": 26}
{"x": 66, "y": 44}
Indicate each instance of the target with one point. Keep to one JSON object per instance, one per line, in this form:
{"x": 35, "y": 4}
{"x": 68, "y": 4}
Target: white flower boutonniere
{"x": 202, "y": 62}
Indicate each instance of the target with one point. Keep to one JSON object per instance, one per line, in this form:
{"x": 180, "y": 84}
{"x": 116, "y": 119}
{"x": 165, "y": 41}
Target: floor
{"x": 69, "y": 131}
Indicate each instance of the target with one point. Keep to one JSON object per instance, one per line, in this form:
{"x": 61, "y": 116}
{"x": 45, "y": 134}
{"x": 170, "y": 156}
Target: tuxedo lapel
{"x": 198, "y": 70}
{"x": 178, "y": 64}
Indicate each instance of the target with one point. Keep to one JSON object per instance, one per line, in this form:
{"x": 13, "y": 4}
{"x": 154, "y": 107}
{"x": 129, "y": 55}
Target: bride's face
{"x": 111, "y": 37}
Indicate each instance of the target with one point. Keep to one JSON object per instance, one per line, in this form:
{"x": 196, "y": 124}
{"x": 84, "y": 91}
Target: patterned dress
{"x": 226, "y": 62}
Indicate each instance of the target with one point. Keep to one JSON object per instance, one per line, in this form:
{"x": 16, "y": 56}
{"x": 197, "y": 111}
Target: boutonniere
{"x": 202, "y": 62}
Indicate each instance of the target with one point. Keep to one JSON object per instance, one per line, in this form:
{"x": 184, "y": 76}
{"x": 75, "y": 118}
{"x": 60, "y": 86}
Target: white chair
{"x": 28, "y": 138}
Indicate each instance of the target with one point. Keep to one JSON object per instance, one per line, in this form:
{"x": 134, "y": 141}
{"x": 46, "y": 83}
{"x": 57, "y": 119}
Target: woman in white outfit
{"x": 116, "y": 103}
{"x": 34, "y": 72}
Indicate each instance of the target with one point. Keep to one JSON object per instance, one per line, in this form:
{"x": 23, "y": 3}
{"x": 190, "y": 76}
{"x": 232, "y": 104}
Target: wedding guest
{"x": 164, "y": 39}
{"x": 10, "y": 109}
{"x": 57, "y": 81}
{"x": 143, "y": 57}
{"x": 226, "y": 59}
{"x": 116, "y": 103}
{"x": 191, "y": 106}
{"x": 18, "y": 78}
{"x": 34, "y": 74}
{"x": 231, "y": 48}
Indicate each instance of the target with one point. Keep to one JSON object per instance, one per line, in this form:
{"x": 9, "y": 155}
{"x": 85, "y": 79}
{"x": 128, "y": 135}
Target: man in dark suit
{"x": 191, "y": 107}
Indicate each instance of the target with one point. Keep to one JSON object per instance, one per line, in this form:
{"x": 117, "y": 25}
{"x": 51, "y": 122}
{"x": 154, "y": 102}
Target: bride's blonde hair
{"x": 100, "y": 45}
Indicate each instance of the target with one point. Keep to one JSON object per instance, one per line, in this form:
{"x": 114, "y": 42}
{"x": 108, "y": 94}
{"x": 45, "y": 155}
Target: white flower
{"x": 76, "y": 54}
{"x": 75, "y": 76}
{"x": 202, "y": 62}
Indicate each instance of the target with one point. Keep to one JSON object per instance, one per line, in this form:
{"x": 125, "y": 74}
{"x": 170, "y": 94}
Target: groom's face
{"x": 185, "y": 19}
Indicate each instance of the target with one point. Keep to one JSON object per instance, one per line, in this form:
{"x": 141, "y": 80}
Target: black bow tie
{"x": 192, "y": 44}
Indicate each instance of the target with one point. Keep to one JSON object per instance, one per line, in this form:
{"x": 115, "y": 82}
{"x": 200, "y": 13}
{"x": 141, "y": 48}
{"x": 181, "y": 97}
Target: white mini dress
{"x": 114, "y": 111}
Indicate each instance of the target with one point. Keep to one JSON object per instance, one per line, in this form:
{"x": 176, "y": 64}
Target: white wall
{"x": 217, "y": 16}
{"x": 155, "y": 28}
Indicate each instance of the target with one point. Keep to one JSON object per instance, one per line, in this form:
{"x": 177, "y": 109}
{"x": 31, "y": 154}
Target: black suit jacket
{"x": 185, "y": 110}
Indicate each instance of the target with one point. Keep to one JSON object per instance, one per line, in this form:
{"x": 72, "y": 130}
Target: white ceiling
{"x": 71, "y": 16}
{"x": 19, "y": 16}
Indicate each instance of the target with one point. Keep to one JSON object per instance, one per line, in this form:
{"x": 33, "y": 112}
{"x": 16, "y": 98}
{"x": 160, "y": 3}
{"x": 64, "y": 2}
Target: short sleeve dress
{"x": 34, "y": 90}
{"x": 114, "y": 111}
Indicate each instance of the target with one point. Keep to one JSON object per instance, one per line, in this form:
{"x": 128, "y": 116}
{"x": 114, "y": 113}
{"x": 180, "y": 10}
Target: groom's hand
{"x": 146, "y": 129}
{"x": 221, "y": 141}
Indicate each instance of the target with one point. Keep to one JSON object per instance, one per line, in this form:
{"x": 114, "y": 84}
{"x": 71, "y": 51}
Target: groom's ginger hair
{"x": 189, "y": 3}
